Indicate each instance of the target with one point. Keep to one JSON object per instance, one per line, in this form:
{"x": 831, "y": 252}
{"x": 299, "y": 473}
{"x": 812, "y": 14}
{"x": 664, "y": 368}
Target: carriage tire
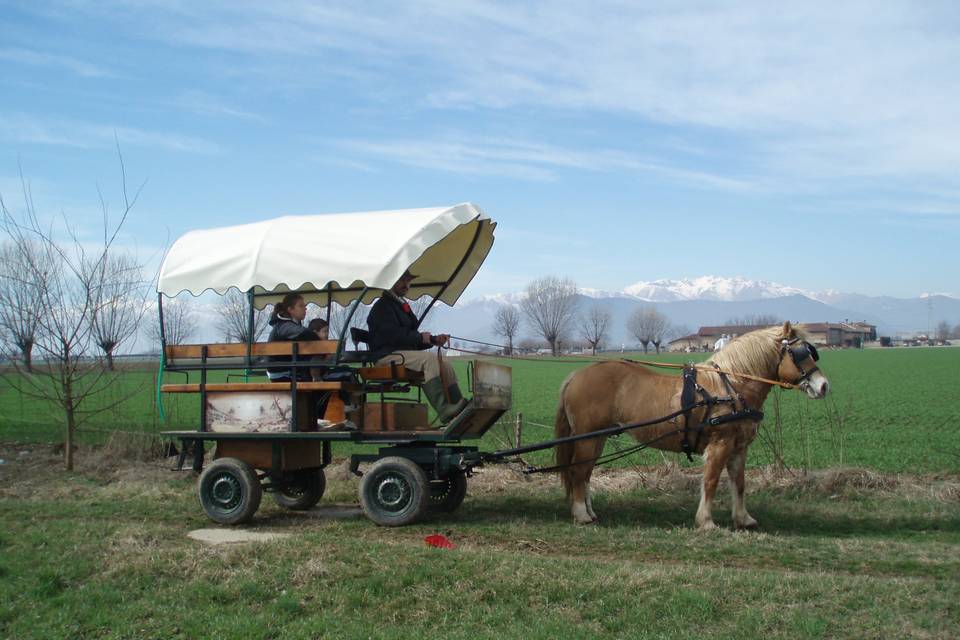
{"x": 303, "y": 493}
{"x": 448, "y": 493}
{"x": 394, "y": 492}
{"x": 229, "y": 491}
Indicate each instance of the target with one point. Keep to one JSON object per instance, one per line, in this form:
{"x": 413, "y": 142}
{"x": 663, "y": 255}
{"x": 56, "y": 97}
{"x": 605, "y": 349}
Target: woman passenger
{"x": 285, "y": 325}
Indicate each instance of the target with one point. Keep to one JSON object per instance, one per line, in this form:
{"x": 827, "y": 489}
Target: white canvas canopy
{"x": 334, "y": 256}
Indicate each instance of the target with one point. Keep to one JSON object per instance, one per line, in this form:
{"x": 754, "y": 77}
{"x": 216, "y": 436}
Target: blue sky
{"x": 815, "y": 145}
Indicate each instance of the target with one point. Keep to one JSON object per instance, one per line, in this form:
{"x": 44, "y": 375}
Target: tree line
{"x": 550, "y": 308}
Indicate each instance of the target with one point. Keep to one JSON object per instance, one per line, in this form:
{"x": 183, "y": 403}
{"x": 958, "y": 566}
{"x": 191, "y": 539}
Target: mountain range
{"x": 713, "y": 300}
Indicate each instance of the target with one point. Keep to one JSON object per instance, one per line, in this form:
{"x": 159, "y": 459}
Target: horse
{"x": 622, "y": 392}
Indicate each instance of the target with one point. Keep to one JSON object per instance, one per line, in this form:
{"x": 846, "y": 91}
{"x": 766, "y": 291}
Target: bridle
{"x": 800, "y": 351}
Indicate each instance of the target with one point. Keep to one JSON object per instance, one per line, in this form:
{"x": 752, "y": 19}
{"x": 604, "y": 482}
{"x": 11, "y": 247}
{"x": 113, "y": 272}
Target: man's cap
{"x": 408, "y": 275}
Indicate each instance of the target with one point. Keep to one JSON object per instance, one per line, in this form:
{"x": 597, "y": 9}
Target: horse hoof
{"x": 749, "y": 525}
{"x": 584, "y": 523}
{"x": 707, "y": 526}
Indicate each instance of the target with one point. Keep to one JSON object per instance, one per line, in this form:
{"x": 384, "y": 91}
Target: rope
{"x": 605, "y": 458}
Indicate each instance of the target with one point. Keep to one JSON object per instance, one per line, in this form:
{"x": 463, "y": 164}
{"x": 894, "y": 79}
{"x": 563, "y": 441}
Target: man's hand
{"x": 441, "y": 339}
{"x": 427, "y": 337}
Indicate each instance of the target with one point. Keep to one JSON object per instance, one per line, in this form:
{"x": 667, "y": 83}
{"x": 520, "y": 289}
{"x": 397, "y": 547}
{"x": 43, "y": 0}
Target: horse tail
{"x": 561, "y": 429}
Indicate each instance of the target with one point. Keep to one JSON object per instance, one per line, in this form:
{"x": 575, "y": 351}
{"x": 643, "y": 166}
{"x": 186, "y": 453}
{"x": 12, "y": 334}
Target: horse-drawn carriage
{"x": 267, "y": 433}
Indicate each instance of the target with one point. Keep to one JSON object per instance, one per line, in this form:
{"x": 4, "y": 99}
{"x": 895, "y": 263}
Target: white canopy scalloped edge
{"x": 334, "y": 256}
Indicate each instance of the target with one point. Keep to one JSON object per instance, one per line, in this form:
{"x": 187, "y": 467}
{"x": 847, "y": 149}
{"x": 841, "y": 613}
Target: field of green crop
{"x": 889, "y": 409}
{"x": 104, "y": 552}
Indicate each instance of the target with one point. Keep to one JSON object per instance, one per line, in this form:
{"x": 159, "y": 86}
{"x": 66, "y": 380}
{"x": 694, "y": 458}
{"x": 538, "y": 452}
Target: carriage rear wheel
{"x": 303, "y": 492}
{"x": 448, "y": 493}
{"x": 394, "y": 492}
{"x": 229, "y": 491}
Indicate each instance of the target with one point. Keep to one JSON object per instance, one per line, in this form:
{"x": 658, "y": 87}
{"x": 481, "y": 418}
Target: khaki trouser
{"x": 424, "y": 361}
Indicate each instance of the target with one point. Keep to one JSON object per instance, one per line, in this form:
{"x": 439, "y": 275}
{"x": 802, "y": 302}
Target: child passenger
{"x": 321, "y": 328}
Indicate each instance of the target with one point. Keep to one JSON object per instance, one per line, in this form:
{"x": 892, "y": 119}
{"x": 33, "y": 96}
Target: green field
{"x": 889, "y": 409}
{"x": 103, "y": 552}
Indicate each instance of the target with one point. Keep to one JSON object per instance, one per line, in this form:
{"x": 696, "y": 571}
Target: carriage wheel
{"x": 303, "y": 493}
{"x": 229, "y": 491}
{"x": 448, "y": 493}
{"x": 394, "y": 492}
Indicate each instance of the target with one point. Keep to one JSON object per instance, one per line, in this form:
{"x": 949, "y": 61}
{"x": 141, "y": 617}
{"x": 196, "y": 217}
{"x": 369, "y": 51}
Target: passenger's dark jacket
{"x": 392, "y": 328}
{"x": 283, "y": 328}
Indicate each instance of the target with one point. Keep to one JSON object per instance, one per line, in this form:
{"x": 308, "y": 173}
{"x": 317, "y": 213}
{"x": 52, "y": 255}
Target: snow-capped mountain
{"x": 734, "y": 289}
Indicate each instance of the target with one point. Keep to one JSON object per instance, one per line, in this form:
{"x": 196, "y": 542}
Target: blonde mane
{"x": 757, "y": 352}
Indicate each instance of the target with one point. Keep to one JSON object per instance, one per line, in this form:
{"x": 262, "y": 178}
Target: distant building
{"x": 706, "y": 337}
{"x": 821, "y": 334}
{"x": 840, "y": 334}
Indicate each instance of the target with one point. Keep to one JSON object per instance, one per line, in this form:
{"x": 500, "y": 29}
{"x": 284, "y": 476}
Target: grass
{"x": 103, "y": 554}
{"x": 889, "y": 409}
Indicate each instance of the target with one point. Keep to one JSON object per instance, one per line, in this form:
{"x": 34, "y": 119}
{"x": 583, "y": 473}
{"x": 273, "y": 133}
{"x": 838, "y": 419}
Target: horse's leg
{"x": 714, "y": 460}
{"x": 735, "y": 467}
{"x": 580, "y": 481}
{"x": 596, "y": 453}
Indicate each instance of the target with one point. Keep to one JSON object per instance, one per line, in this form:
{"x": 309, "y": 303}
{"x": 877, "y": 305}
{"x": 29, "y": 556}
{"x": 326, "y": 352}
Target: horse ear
{"x": 787, "y": 329}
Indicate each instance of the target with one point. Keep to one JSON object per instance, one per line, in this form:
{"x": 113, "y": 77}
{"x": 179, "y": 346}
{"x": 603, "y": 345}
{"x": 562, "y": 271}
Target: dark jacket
{"x": 391, "y": 327}
{"x": 283, "y": 328}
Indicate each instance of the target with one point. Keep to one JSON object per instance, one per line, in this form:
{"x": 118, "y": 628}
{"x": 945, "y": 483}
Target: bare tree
{"x": 338, "y": 319}
{"x": 647, "y": 325}
{"x": 679, "y": 331}
{"x": 506, "y": 324}
{"x": 594, "y": 325}
{"x": 943, "y": 330}
{"x": 179, "y": 323}
{"x": 119, "y": 303}
{"x": 19, "y": 293}
{"x": 67, "y": 277}
{"x": 661, "y": 328}
{"x": 235, "y": 318}
{"x": 956, "y": 331}
{"x": 754, "y": 320}
{"x": 550, "y": 307}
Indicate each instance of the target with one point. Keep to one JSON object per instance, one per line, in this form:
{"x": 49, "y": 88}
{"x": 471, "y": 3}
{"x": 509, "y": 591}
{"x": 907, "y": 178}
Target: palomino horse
{"x": 608, "y": 393}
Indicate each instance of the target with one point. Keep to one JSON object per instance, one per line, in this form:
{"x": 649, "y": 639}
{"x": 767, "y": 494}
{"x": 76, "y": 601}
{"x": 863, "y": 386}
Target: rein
{"x": 649, "y": 363}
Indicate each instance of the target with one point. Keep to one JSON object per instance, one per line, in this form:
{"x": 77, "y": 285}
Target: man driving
{"x": 394, "y": 328}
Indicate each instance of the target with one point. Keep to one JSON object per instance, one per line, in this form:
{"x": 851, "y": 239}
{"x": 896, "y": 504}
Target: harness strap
{"x": 688, "y": 397}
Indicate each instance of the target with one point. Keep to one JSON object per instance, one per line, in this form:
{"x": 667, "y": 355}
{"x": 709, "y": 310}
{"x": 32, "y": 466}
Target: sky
{"x": 811, "y": 144}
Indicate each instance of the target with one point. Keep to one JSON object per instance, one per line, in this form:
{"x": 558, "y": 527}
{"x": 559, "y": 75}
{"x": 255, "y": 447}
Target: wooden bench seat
{"x": 239, "y": 350}
{"x": 260, "y": 386}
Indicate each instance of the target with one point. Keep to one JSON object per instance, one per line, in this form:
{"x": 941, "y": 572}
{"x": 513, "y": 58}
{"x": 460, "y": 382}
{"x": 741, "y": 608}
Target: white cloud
{"x": 36, "y": 58}
{"x": 801, "y": 93}
{"x": 524, "y": 160}
{"x": 70, "y": 133}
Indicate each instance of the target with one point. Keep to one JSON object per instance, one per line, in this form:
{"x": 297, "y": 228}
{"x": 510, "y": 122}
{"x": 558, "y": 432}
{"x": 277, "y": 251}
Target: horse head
{"x": 798, "y": 363}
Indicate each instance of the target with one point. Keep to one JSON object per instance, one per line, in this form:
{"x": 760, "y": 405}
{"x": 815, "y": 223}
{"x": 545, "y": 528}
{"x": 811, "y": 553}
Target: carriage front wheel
{"x": 303, "y": 492}
{"x": 230, "y": 491}
{"x": 394, "y": 492}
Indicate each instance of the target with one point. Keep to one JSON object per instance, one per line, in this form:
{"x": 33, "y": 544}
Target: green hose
{"x": 163, "y": 364}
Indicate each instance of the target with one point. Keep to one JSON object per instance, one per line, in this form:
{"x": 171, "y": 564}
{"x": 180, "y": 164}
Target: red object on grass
{"x": 439, "y": 541}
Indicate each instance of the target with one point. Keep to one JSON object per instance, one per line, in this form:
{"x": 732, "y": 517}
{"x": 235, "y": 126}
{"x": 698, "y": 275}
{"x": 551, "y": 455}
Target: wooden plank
{"x": 234, "y": 350}
{"x": 259, "y": 453}
{"x": 387, "y": 372}
{"x": 260, "y": 386}
{"x": 175, "y": 351}
{"x": 393, "y": 416}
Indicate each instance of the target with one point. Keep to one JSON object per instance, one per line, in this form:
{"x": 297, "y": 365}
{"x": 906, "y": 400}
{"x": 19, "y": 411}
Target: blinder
{"x": 800, "y": 351}
{"x": 803, "y": 351}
